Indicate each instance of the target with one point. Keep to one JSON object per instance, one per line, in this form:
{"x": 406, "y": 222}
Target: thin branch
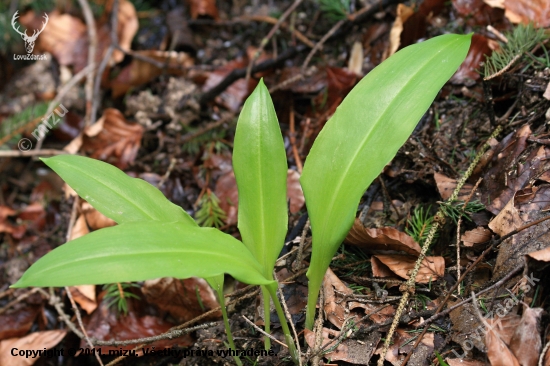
{"x": 92, "y": 37}
{"x": 264, "y": 333}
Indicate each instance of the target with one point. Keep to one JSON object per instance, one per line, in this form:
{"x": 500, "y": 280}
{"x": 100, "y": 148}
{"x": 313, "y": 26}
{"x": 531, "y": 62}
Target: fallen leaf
{"x": 525, "y": 343}
{"x": 95, "y": 219}
{"x": 335, "y": 291}
{"x": 497, "y": 351}
{"x": 430, "y": 270}
{"x": 84, "y": 295}
{"x": 381, "y": 239}
{"x": 403, "y": 13}
{"x": 476, "y": 236}
{"x": 446, "y": 187}
{"x": 106, "y": 324}
{"x": 355, "y": 62}
{"x": 526, "y": 11}
{"x": 17, "y": 322}
{"x": 467, "y": 73}
{"x": 183, "y": 299}
{"x": 111, "y": 139}
{"x": 39, "y": 340}
{"x": 140, "y": 72}
{"x": 294, "y": 191}
{"x": 402, "y": 344}
{"x": 463, "y": 362}
{"x": 542, "y": 255}
{"x": 349, "y": 350}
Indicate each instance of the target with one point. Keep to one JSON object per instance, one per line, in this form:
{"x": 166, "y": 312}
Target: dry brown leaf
{"x": 402, "y": 344}
{"x": 106, "y": 324}
{"x": 35, "y": 341}
{"x": 17, "y": 322}
{"x": 140, "y": 72}
{"x": 526, "y": 344}
{"x": 430, "y": 270}
{"x": 467, "y": 73}
{"x": 111, "y": 139}
{"x": 379, "y": 316}
{"x": 542, "y": 255}
{"x": 381, "y": 239}
{"x": 180, "y": 298}
{"x": 498, "y": 353}
{"x": 95, "y": 219}
{"x": 334, "y": 307}
{"x": 403, "y": 13}
{"x": 350, "y": 350}
{"x": 526, "y": 11}
{"x": 127, "y": 27}
{"x": 84, "y": 295}
{"x": 446, "y": 187}
{"x": 203, "y": 8}
{"x": 476, "y": 236}
{"x": 355, "y": 62}
{"x": 294, "y": 191}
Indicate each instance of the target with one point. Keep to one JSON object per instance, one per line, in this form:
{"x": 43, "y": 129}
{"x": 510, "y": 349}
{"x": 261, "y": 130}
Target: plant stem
{"x": 280, "y": 313}
{"x": 267, "y": 316}
{"x": 219, "y": 290}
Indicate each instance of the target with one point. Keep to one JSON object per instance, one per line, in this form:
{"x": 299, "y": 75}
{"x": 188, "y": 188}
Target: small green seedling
{"x": 155, "y": 238}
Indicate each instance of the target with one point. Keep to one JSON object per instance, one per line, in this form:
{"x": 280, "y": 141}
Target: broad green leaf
{"x": 363, "y": 135}
{"x": 259, "y": 161}
{"x": 144, "y": 250}
{"x": 113, "y": 193}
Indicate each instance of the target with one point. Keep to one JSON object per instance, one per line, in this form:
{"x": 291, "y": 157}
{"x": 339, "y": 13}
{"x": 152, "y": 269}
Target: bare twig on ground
{"x": 264, "y": 333}
{"x": 18, "y": 299}
{"x": 29, "y": 153}
{"x": 81, "y": 325}
{"x": 106, "y": 58}
{"x": 92, "y": 37}
{"x": 266, "y": 39}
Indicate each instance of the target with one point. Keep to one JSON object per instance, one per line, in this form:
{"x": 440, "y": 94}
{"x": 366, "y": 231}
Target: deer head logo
{"x": 29, "y": 41}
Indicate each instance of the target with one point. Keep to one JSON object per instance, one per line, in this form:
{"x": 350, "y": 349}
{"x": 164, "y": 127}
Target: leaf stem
{"x": 219, "y": 291}
{"x": 272, "y": 288}
{"x": 267, "y": 316}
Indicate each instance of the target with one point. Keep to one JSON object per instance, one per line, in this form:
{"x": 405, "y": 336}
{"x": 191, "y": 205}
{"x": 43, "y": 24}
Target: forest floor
{"x": 164, "y": 109}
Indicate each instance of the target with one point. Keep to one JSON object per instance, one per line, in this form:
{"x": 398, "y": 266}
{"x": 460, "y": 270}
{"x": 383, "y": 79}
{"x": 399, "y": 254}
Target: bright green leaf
{"x": 113, "y": 193}
{"x": 259, "y": 161}
{"x": 144, "y": 250}
{"x": 363, "y": 135}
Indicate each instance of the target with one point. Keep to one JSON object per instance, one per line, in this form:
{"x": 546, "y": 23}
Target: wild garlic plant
{"x": 155, "y": 238}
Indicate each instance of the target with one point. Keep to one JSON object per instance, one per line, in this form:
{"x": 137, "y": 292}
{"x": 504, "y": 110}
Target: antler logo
{"x": 29, "y": 41}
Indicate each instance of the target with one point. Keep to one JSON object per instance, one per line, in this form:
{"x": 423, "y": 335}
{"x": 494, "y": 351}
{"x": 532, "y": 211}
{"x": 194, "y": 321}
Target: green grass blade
{"x": 363, "y": 135}
{"x": 115, "y": 194}
{"x": 259, "y": 161}
{"x": 144, "y": 250}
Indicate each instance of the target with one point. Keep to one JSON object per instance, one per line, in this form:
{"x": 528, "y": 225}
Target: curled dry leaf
{"x": 402, "y": 344}
{"x": 430, "y": 270}
{"x": 95, "y": 219}
{"x": 497, "y": 351}
{"x": 350, "y": 350}
{"x": 446, "y": 187}
{"x": 35, "y": 341}
{"x": 377, "y": 316}
{"x": 526, "y": 11}
{"x": 478, "y": 235}
{"x": 403, "y": 13}
{"x": 183, "y": 299}
{"x": 355, "y": 62}
{"x": 111, "y": 139}
{"x": 84, "y": 295}
{"x": 542, "y": 255}
{"x": 334, "y": 306}
{"x": 526, "y": 344}
{"x": 381, "y": 239}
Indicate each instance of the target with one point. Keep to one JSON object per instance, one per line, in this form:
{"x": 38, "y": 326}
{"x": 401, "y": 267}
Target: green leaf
{"x": 363, "y": 135}
{"x": 144, "y": 250}
{"x": 115, "y": 194}
{"x": 259, "y": 161}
